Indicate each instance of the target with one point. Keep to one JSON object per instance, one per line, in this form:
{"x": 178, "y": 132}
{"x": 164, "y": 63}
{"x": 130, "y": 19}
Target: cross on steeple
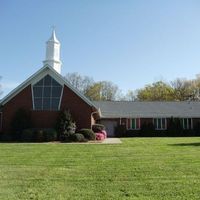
{"x": 53, "y": 27}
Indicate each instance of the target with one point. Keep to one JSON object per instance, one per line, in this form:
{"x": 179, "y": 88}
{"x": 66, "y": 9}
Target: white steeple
{"x": 53, "y": 53}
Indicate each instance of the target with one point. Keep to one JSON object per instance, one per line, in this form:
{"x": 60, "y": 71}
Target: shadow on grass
{"x": 196, "y": 144}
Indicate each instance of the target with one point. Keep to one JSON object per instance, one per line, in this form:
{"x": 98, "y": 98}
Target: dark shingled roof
{"x": 127, "y": 109}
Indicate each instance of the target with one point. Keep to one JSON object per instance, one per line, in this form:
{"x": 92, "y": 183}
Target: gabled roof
{"x": 46, "y": 69}
{"x": 125, "y": 109}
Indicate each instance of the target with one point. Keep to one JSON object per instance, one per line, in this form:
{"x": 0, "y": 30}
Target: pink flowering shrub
{"x": 104, "y": 133}
{"x": 101, "y": 135}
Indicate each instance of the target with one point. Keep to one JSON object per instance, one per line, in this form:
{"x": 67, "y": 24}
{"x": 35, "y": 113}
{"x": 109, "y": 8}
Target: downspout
{"x": 95, "y": 112}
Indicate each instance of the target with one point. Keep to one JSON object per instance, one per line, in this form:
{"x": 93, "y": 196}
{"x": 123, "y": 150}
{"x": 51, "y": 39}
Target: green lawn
{"x": 139, "y": 168}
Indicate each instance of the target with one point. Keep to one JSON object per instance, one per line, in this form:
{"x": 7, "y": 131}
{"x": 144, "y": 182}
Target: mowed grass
{"x": 139, "y": 168}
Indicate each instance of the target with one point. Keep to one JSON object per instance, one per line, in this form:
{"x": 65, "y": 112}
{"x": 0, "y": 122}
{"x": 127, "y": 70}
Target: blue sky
{"x": 129, "y": 42}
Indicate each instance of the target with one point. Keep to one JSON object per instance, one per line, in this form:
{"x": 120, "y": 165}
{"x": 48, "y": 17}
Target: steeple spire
{"x": 53, "y": 36}
{"x": 53, "y": 53}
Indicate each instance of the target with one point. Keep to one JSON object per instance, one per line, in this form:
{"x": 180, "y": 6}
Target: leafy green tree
{"x": 94, "y": 92}
{"x": 158, "y": 91}
{"x": 102, "y": 90}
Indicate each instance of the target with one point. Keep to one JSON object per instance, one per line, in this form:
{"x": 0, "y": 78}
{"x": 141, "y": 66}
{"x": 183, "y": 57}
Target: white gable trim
{"x": 39, "y": 75}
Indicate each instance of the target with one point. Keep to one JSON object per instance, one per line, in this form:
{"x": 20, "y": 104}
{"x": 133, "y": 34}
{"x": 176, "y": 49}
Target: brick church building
{"x": 45, "y": 93}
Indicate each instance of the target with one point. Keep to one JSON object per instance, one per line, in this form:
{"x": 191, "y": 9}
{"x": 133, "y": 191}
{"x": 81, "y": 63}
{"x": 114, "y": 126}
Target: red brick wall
{"x": 145, "y": 120}
{"x": 195, "y": 121}
{"x": 21, "y": 100}
{"x": 80, "y": 110}
{"x": 44, "y": 119}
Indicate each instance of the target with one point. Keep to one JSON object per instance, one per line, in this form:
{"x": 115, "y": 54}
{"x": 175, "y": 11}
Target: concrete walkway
{"x": 106, "y": 141}
{"x": 111, "y": 141}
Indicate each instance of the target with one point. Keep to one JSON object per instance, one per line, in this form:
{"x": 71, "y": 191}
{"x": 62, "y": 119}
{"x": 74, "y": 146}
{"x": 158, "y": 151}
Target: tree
{"x": 183, "y": 89}
{"x": 102, "y": 91}
{"x": 65, "y": 122}
{"x": 158, "y": 91}
{"x": 94, "y": 92}
{"x": 65, "y": 125}
{"x": 130, "y": 96}
{"x": 81, "y": 83}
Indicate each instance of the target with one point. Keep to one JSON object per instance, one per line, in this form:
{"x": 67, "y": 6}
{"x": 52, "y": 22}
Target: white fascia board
{"x": 46, "y": 69}
{"x": 23, "y": 85}
{"x": 65, "y": 82}
{"x": 150, "y": 117}
{"x": 79, "y": 94}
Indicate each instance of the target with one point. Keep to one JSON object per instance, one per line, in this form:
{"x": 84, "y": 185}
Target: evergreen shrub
{"x": 38, "y": 135}
{"x": 87, "y": 133}
{"x": 98, "y": 128}
{"x": 50, "y": 135}
{"x": 78, "y": 137}
{"x": 27, "y": 135}
{"x": 65, "y": 126}
{"x": 20, "y": 121}
{"x": 120, "y": 131}
{"x": 5, "y": 137}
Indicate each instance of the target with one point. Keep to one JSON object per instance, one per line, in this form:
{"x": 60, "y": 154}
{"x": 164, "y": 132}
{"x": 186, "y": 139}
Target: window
{"x": 187, "y": 123}
{"x": 160, "y": 123}
{"x": 46, "y": 94}
{"x": 135, "y": 123}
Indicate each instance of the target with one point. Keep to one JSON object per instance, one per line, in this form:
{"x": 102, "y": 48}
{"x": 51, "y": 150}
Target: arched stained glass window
{"x": 47, "y": 94}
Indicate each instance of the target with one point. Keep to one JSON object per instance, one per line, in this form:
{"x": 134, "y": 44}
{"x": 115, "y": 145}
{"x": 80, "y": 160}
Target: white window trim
{"x": 135, "y": 119}
{"x": 187, "y": 128}
{"x": 156, "y": 125}
{"x": 120, "y": 121}
{"x": 61, "y": 96}
{"x": 33, "y": 103}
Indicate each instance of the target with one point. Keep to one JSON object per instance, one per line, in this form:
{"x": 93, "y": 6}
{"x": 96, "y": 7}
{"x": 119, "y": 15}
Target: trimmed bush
{"x": 197, "y": 129}
{"x": 21, "y": 120}
{"x": 98, "y": 128}
{"x": 175, "y": 128}
{"x": 50, "y": 135}
{"x": 38, "y": 135}
{"x": 45, "y": 135}
{"x": 4, "y": 137}
{"x": 27, "y": 135}
{"x": 78, "y": 137}
{"x": 88, "y": 134}
{"x": 120, "y": 131}
{"x": 66, "y": 137}
{"x": 133, "y": 133}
